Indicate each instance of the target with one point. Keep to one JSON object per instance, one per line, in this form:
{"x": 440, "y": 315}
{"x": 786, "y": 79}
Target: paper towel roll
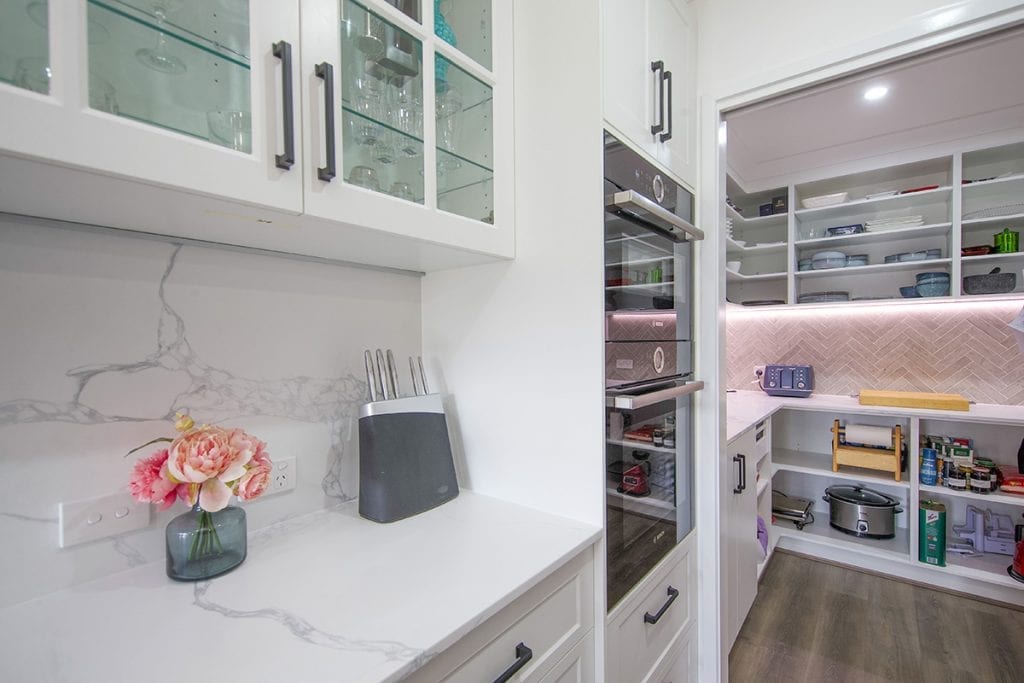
{"x": 869, "y": 435}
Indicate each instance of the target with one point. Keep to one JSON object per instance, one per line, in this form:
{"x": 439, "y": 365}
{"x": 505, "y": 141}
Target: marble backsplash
{"x": 964, "y": 348}
{"x": 106, "y": 336}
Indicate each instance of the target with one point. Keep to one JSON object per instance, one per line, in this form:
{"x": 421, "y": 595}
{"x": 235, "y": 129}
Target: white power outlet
{"x": 82, "y": 521}
{"x": 283, "y": 477}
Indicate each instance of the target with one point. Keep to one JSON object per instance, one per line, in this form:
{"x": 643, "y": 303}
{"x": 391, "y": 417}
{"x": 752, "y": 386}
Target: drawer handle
{"x": 665, "y": 137}
{"x": 523, "y": 655}
{"x": 649, "y": 618}
{"x": 283, "y": 51}
{"x": 658, "y": 68}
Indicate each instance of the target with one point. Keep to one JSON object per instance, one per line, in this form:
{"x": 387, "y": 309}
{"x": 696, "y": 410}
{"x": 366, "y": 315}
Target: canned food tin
{"x": 931, "y": 547}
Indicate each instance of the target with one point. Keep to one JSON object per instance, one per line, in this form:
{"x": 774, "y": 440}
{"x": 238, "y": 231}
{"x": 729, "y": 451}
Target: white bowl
{"x": 825, "y": 200}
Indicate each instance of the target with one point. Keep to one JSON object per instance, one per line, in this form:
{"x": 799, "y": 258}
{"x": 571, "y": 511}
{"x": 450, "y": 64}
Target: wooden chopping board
{"x": 913, "y": 399}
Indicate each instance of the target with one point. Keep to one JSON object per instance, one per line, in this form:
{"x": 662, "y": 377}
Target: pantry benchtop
{"x": 744, "y": 409}
{"x": 328, "y": 596}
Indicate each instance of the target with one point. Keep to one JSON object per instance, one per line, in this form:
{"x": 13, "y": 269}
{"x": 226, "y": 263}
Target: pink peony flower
{"x": 151, "y": 483}
{"x": 210, "y": 453}
{"x": 255, "y": 481}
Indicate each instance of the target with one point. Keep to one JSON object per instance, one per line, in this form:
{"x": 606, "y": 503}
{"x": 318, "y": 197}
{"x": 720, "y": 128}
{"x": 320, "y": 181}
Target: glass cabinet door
{"x": 382, "y": 105}
{"x": 183, "y": 65}
{"x": 25, "y": 45}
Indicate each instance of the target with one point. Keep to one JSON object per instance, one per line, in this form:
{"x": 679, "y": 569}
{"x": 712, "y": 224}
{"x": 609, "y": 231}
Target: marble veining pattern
{"x": 211, "y": 392}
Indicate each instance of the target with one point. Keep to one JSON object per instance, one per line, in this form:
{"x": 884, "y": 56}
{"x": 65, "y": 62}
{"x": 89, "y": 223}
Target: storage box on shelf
{"x": 373, "y": 135}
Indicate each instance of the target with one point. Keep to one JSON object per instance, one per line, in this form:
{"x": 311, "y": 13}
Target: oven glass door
{"x": 648, "y": 465}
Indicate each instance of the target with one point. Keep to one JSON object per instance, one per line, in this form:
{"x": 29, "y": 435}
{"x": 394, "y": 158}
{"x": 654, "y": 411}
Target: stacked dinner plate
{"x": 882, "y": 224}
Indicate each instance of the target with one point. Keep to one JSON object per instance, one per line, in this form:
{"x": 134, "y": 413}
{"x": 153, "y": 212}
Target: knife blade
{"x": 423, "y": 376}
{"x": 393, "y": 375}
{"x": 381, "y": 370}
{"x": 412, "y": 372}
{"x": 370, "y": 374}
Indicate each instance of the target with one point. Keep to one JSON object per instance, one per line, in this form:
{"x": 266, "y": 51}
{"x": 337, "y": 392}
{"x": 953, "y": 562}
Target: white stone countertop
{"x": 744, "y": 409}
{"x": 328, "y": 596}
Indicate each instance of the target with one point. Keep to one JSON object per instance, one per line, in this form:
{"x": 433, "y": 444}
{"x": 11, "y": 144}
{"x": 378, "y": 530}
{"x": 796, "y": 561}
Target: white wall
{"x": 521, "y": 343}
{"x": 105, "y": 336}
{"x": 747, "y": 44}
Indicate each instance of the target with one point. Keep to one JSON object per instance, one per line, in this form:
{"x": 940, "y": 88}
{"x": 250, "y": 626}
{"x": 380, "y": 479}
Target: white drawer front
{"x": 762, "y": 439}
{"x": 577, "y": 666}
{"x": 548, "y": 630}
{"x": 679, "y": 665}
{"x": 550, "y": 619}
{"x": 639, "y": 644}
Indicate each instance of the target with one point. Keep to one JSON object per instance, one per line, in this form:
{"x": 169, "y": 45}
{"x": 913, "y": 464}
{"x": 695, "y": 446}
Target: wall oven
{"x": 649, "y": 383}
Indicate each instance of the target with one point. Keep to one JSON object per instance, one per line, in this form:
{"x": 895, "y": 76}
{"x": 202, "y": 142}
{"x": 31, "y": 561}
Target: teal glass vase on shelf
{"x": 202, "y": 545}
{"x": 444, "y": 31}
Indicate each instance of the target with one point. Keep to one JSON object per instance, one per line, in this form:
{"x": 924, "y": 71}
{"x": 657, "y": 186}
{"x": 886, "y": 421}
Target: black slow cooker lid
{"x": 859, "y": 495}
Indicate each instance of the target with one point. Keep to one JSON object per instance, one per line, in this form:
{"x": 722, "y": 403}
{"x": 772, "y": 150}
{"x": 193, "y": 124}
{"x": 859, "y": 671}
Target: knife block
{"x": 405, "y": 458}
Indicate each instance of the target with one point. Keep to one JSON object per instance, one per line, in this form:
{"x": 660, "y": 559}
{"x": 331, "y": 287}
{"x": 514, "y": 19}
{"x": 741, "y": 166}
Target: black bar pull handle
{"x": 738, "y": 459}
{"x": 649, "y": 618}
{"x": 658, "y": 68}
{"x": 743, "y": 472}
{"x": 283, "y": 51}
{"x": 523, "y": 655}
{"x": 325, "y": 71}
{"x": 665, "y": 137}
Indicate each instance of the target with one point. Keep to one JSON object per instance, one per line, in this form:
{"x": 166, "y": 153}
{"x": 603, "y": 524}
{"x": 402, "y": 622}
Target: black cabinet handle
{"x": 523, "y": 655}
{"x": 325, "y": 71}
{"x": 668, "y": 79}
{"x": 739, "y": 460}
{"x": 649, "y": 618}
{"x": 658, "y": 68}
{"x": 283, "y": 51}
{"x": 743, "y": 472}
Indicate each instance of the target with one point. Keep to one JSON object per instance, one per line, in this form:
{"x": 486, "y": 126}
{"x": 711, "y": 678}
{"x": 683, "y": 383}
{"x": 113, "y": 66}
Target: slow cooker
{"x": 861, "y": 511}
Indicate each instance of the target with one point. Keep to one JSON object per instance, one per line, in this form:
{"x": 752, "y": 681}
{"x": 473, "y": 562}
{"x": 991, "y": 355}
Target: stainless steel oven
{"x": 648, "y": 234}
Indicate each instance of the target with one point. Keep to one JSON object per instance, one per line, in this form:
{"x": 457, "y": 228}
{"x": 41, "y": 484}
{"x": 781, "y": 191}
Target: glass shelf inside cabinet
{"x": 25, "y": 45}
{"x": 466, "y": 25}
{"x": 183, "y": 65}
{"x": 382, "y": 105}
{"x": 465, "y": 144}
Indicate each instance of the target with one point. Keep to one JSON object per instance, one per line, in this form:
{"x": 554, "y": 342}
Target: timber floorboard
{"x": 815, "y": 622}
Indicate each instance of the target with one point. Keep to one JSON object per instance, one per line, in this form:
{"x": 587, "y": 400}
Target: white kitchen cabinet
{"x": 649, "y": 620}
{"x": 543, "y": 634}
{"x": 643, "y": 42}
{"x": 191, "y": 97}
{"x": 739, "y": 547}
{"x": 254, "y": 131}
{"x": 422, "y": 149}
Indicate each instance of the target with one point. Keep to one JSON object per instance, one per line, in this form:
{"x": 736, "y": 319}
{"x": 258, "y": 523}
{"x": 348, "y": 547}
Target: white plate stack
{"x": 897, "y": 223}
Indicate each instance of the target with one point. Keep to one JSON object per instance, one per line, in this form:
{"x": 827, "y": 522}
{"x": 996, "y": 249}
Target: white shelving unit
{"x": 955, "y": 196}
{"x": 801, "y": 466}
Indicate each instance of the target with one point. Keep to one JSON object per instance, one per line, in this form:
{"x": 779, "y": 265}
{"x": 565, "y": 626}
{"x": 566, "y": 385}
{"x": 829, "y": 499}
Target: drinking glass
{"x": 449, "y": 125}
{"x": 402, "y": 190}
{"x": 231, "y": 128}
{"x": 364, "y": 176}
{"x": 384, "y": 150}
{"x": 33, "y": 73}
{"x": 157, "y": 58}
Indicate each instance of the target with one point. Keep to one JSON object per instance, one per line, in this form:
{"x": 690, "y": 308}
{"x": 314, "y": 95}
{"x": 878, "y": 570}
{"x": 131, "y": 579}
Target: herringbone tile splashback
{"x": 930, "y": 348}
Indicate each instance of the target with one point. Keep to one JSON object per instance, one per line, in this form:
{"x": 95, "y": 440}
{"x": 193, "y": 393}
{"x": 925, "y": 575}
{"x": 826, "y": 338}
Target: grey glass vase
{"x": 201, "y": 544}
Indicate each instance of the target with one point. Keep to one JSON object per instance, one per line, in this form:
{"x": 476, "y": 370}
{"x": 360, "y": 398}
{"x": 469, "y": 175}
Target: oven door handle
{"x": 626, "y": 402}
{"x": 628, "y": 202}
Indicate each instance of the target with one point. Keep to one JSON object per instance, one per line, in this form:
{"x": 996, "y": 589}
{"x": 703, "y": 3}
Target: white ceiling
{"x": 970, "y": 90}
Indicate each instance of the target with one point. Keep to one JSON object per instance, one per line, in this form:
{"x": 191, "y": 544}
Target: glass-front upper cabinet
{"x": 419, "y": 139}
{"x": 194, "y": 94}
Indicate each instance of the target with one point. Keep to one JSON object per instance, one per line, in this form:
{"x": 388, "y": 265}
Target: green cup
{"x": 1007, "y": 241}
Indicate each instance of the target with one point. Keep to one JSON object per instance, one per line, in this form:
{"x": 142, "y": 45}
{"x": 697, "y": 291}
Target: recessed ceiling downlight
{"x": 875, "y": 93}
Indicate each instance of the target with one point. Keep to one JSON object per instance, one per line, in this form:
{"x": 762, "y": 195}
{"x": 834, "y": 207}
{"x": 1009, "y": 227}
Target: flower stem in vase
{"x": 201, "y": 544}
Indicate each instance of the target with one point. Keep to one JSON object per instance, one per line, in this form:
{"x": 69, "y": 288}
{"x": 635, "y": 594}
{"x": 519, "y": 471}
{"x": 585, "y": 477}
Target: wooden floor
{"x": 816, "y": 622}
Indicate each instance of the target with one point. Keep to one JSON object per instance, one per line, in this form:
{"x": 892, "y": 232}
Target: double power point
{"x": 283, "y": 477}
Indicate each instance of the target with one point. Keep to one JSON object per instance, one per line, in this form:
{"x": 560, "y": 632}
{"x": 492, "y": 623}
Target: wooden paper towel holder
{"x": 884, "y": 459}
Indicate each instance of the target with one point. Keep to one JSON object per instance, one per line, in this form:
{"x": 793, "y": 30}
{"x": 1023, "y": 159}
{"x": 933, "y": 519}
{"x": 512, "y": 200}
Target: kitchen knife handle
{"x": 412, "y": 372}
{"x": 523, "y": 655}
{"x": 283, "y": 51}
{"x": 658, "y": 68}
{"x": 370, "y": 374}
{"x": 666, "y": 136}
{"x": 423, "y": 380}
{"x": 649, "y": 618}
{"x": 382, "y": 369}
{"x": 393, "y": 375}
{"x": 325, "y": 71}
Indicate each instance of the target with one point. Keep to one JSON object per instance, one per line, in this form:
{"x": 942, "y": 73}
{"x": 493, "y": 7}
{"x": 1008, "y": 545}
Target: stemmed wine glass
{"x": 157, "y": 57}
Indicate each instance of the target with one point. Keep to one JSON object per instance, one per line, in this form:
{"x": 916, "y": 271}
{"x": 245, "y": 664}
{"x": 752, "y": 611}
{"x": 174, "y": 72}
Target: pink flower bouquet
{"x": 203, "y": 466}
